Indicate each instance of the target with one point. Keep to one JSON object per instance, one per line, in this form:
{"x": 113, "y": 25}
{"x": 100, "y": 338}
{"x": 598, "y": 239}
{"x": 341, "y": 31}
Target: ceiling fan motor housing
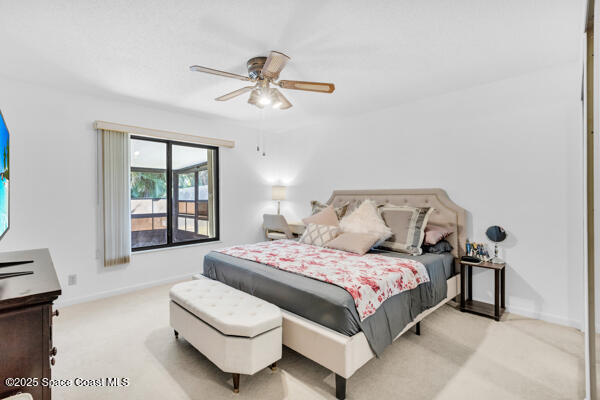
{"x": 255, "y": 66}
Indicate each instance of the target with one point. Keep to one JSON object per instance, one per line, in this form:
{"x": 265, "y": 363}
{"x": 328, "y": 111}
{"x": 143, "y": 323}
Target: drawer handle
{"x": 55, "y": 313}
{"x": 52, "y": 361}
{"x": 53, "y": 351}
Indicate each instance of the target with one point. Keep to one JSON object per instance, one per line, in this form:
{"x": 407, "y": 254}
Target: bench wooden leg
{"x": 273, "y": 366}
{"x": 340, "y": 387}
{"x": 236, "y": 383}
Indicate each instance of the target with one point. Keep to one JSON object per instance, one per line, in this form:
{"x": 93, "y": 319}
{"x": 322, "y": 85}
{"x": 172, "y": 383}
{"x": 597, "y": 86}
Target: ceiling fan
{"x": 264, "y": 72}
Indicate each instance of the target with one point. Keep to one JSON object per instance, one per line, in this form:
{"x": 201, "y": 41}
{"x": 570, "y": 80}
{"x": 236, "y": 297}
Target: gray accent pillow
{"x": 440, "y": 247}
{"x": 408, "y": 227}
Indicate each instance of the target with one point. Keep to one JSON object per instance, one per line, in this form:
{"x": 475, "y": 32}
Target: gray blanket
{"x": 330, "y": 305}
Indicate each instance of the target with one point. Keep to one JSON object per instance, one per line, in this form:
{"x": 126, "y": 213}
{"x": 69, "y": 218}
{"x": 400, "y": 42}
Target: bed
{"x": 320, "y": 320}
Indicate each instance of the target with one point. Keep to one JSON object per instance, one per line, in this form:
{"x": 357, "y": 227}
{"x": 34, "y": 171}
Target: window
{"x": 174, "y": 189}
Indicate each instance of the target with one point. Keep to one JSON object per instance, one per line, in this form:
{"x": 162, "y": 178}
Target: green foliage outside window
{"x": 203, "y": 178}
{"x": 186, "y": 180}
{"x": 148, "y": 185}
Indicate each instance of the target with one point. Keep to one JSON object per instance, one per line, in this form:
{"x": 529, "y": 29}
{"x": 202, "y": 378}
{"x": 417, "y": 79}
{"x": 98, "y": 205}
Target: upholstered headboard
{"x": 446, "y": 213}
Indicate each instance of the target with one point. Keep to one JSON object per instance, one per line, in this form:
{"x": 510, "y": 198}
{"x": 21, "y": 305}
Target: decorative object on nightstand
{"x": 467, "y": 304}
{"x": 471, "y": 259}
{"x": 477, "y": 251}
{"x": 278, "y": 193}
{"x": 496, "y": 234}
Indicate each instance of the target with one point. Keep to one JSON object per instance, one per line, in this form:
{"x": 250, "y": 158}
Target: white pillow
{"x": 366, "y": 219}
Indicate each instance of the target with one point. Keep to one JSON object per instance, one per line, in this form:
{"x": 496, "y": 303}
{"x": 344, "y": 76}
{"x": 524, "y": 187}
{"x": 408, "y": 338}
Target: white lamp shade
{"x": 278, "y": 192}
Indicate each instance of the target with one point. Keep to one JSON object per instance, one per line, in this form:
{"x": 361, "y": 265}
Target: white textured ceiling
{"x": 378, "y": 53}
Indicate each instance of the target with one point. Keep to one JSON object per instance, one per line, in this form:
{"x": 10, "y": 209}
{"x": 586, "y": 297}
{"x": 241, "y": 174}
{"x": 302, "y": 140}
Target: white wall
{"x": 509, "y": 152}
{"x": 53, "y": 186}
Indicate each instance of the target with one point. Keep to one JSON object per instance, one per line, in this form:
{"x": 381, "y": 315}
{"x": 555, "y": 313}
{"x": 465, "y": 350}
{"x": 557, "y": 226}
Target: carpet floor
{"x": 457, "y": 356}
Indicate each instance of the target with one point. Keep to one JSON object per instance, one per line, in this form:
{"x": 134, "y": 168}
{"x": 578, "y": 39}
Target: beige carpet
{"x": 457, "y": 356}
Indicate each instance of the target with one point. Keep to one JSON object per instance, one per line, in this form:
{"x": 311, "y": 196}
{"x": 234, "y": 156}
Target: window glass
{"x": 148, "y": 193}
{"x": 192, "y": 189}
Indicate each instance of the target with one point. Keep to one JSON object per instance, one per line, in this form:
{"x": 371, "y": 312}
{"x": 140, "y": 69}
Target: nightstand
{"x": 495, "y": 310}
{"x": 297, "y": 228}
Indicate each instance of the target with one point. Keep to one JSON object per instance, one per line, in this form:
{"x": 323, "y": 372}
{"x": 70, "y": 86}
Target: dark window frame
{"x": 216, "y": 197}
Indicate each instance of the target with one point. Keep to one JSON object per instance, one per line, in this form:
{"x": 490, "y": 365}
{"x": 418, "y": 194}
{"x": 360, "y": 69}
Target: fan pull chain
{"x": 261, "y": 135}
{"x": 258, "y": 135}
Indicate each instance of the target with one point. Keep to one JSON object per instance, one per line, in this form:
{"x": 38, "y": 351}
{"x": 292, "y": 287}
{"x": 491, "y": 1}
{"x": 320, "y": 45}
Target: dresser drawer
{"x": 23, "y": 348}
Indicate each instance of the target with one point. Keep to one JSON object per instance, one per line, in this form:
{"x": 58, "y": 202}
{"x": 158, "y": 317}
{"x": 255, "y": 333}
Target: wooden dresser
{"x": 26, "y": 349}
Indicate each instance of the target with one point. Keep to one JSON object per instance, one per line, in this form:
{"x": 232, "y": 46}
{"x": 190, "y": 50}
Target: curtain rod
{"x": 183, "y": 137}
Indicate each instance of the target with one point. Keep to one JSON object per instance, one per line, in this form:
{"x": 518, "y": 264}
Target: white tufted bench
{"x": 238, "y": 332}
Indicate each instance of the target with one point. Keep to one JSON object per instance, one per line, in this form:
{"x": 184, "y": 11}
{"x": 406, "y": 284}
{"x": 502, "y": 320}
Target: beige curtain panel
{"x": 115, "y": 196}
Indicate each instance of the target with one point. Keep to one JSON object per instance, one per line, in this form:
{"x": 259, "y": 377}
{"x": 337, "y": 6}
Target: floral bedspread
{"x": 370, "y": 279}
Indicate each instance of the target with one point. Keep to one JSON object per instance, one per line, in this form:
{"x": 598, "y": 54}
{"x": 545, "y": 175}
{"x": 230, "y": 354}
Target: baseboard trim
{"x": 123, "y": 290}
{"x": 555, "y": 319}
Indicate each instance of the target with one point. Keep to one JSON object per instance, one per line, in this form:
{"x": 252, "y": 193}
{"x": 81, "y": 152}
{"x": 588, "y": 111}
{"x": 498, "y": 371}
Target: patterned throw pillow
{"x": 318, "y": 235}
{"x": 317, "y": 206}
{"x": 408, "y": 227}
{"x": 353, "y": 205}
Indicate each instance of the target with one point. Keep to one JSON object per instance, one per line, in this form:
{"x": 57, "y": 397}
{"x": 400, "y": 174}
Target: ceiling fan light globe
{"x": 277, "y": 104}
{"x": 264, "y": 100}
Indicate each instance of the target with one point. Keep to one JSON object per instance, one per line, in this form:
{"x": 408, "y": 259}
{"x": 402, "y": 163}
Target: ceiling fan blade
{"x": 274, "y": 65}
{"x": 198, "y": 68}
{"x": 279, "y": 100}
{"x": 235, "y": 93}
{"x": 310, "y": 86}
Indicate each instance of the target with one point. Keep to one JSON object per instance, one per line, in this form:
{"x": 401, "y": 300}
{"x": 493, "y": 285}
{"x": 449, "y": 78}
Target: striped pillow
{"x": 408, "y": 227}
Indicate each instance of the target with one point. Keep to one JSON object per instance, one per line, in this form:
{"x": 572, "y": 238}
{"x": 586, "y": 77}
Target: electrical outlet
{"x": 72, "y": 279}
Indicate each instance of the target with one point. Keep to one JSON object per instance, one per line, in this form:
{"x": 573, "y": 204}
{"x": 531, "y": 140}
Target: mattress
{"x": 330, "y": 305}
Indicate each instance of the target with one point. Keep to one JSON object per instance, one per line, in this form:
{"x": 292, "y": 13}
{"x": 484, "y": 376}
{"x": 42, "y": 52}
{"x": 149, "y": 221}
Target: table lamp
{"x": 496, "y": 234}
{"x": 278, "y": 194}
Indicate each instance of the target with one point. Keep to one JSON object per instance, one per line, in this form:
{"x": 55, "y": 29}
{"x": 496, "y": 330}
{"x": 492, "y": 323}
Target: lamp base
{"x": 497, "y": 260}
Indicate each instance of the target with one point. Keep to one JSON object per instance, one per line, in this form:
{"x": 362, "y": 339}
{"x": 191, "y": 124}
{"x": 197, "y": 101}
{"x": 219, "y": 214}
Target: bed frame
{"x": 342, "y": 354}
